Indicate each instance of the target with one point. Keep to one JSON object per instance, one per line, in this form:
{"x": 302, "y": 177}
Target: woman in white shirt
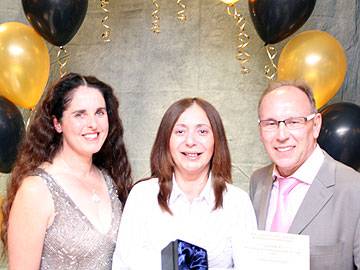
{"x": 189, "y": 195}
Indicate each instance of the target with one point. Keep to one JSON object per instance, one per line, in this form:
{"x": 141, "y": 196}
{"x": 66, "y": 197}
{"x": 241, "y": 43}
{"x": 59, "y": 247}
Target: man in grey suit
{"x": 305, "y": 191}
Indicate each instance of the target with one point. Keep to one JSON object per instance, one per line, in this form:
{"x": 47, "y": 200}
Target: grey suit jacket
{"x": 329, "y": 214}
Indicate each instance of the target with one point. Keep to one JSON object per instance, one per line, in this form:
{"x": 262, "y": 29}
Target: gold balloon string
{"x": 181, "y": 13}
{"x": 156, "y": 18}
{"x": 27, "y": 115}
{"x": 62, "y": 58}
{"x": 243, "y": 39}
{"x": 235, "y": 166}
{"x": 105, "y": 35}
{"x": 30, "y": 112}
{"x": 271, "y": 69}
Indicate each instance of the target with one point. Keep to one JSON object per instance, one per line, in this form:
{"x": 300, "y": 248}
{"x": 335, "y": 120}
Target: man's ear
{"x": 57, "y": 125}
{"x": 317, "y": 125}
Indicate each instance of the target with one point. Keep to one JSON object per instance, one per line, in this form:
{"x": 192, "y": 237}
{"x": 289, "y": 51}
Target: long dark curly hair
{"x": 42, "y": 142}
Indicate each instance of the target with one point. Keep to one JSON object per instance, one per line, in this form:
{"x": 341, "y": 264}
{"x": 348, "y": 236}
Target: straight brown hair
{"x": 162, "y": 165}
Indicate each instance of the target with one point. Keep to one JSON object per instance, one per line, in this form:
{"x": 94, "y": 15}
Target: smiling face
{"x": 84, "y": 124}
{"x": 192, "y": 142}
{"x": 288, "y": 149}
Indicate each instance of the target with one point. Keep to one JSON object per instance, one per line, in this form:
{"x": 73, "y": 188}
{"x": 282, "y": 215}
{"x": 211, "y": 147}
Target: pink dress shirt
{"x": 306, "y": 174}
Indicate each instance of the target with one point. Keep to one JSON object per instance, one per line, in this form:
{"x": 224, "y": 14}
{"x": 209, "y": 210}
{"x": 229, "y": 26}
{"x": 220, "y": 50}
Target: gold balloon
{"x": 317, "y": 58}
{"x": 229, "y": 2}
{"x": 1, "y": 205}
{"x": 24, "y": 64}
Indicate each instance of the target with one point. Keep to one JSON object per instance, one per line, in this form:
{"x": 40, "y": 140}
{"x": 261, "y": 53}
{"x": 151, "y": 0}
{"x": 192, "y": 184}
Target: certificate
{"x": 275, "y": 251}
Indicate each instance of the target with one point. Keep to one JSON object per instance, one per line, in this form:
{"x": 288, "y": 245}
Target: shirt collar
{"x": 308, "y": 170}
{"x": 206, "y": 194}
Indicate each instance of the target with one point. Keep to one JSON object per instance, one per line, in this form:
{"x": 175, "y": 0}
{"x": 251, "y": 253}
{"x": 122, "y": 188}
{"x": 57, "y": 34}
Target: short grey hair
{"x": 299, "y": 84}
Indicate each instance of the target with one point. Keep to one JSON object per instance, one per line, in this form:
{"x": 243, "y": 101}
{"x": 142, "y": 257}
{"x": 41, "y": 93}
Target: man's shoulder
{"x": 345, "y": 177}
{"x": 262, "y": 172}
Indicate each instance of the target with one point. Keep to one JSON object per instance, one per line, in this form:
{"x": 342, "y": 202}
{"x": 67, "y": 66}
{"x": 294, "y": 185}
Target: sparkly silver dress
{"x": 72, "y": 242}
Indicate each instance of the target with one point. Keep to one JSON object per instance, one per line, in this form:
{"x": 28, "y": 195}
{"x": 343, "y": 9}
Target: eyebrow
{"x": 83, "y": 110}
{"x": 78, "y": 111}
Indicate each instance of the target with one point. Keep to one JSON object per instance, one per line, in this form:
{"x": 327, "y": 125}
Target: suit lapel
{"x": 264, "y": 200}
{"x": 319, "y": 193}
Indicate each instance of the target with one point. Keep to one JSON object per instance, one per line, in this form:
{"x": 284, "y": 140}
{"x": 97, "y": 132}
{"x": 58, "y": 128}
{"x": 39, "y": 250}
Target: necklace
{"x": 95, "y": 198}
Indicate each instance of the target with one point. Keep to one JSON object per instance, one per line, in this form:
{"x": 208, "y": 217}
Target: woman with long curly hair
{"x": 70, "y": 180}
{"x": 189, "y": 195}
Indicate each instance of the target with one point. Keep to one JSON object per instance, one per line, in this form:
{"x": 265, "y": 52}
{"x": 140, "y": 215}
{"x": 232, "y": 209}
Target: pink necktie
{"x": 282, "y": 221}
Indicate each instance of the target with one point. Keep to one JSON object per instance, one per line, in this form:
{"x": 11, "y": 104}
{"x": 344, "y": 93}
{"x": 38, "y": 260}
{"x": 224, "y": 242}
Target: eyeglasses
{"x": 290, "y": 123}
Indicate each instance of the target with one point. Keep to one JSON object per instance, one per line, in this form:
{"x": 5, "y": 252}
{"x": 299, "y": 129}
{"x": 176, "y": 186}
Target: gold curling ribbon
{"x": 271, "y": 69}
{"x": 243, "y": 39}
{"x": 105, "y": 35}
{"x": 62, "y": 58}
{"x": 156, "y": 18}
{"x": 181, "y": 13}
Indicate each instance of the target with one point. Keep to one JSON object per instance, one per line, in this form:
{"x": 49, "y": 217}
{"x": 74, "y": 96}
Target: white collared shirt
{"x": 145, "y": 229}
{"x": 306, "y": 174}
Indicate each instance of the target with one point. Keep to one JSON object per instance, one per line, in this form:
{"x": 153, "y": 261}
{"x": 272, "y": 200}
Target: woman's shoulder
{"x": 146, "y": 186}
{"x": 33, "y": 191}
{"x": 234, "y": 195}
{"x": 143, "y": 194}
{"x": 33, "y": 184}
{"x": 233, "y": 190}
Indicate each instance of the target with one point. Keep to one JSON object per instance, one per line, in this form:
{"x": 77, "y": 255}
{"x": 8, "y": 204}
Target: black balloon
{"x": 275, "y": 20}
{"x": 340, "y": 133}
{"x": 11, "y": 132}
{"x": 57, "y": 21}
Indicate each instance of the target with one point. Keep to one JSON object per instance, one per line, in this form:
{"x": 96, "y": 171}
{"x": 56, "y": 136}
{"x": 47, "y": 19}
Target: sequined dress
{"x": 72, "y": 242}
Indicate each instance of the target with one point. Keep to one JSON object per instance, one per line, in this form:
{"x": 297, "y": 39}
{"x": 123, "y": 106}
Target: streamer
{"x": 105, "y": 35}
{"x": 181, "y": 13}
{"x": 156, "y": 18}
{"x": 270, "y": 70}
{"x": 242, "y": 37}
{"x": 62, "y": 58}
